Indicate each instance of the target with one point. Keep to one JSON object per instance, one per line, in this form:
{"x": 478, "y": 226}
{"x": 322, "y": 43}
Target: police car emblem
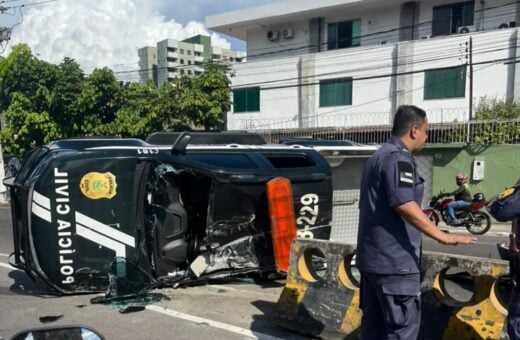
{"x": 96, "y": 185}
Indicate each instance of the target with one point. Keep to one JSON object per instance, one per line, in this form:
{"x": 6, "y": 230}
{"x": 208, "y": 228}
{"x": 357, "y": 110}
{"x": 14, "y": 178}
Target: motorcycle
{"x": 475, "y": 220}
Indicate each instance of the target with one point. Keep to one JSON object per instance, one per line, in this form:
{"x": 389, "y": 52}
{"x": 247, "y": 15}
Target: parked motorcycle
{"x": 475, "y": 220}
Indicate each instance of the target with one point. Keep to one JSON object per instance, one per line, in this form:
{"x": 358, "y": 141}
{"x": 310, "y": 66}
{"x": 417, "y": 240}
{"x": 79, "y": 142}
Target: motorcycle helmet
{"x": 461, "y": 178}
{"x": 479, "y": 197}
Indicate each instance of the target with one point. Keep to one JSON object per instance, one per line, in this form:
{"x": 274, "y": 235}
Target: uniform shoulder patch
{"x": 405, "y": 170}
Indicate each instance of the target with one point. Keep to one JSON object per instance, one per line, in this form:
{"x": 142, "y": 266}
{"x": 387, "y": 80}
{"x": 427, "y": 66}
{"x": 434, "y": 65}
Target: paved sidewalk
{"x": 497, "y": 229}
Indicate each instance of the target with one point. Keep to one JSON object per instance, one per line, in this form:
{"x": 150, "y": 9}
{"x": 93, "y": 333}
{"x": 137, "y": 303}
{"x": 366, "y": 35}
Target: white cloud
{"x": 99, "y": 33}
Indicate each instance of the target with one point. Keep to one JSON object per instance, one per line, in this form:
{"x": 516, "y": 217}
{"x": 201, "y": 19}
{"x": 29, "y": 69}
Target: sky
{"x": 99, "y": 33}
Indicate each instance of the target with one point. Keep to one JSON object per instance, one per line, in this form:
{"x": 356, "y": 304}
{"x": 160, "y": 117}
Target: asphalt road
{"x": 230, "y": 310}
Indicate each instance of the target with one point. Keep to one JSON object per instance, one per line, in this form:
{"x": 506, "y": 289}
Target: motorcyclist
{"x": 462, "y": 197}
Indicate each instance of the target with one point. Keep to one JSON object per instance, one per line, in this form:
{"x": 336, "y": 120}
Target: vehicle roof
{"x": 207, "y": 138}
{"x": 318, "y": 142}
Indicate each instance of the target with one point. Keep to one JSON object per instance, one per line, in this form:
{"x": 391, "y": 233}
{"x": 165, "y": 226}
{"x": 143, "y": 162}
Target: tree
{"x": 64, "y": 109}
{"x": 99, "y": 100}
{"x": 136, "y": 116}
{"x": 213, "y": 97}
{"x": 197, "y": 102}
{"x": 25, "y": 128}
{"x": 170, "y": 112}
{"x": 22, "y": 73}
{"x": 500, "y": 130}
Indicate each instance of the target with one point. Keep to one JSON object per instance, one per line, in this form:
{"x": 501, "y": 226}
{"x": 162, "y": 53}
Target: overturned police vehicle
{"x": 178, "y": 212}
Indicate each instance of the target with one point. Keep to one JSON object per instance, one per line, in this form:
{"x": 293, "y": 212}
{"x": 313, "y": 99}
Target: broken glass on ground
{"x": 128, "y": 288}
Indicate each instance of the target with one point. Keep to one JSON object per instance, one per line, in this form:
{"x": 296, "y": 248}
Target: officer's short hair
{"x": 406, "y": 117}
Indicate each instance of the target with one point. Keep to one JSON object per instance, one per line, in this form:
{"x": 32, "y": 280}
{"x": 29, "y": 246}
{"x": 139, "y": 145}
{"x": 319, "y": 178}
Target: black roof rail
{"x": 207, "y": 138}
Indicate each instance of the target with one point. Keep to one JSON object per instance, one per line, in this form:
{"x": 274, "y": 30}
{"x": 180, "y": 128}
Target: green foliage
{"x": 25, "y": 128}
{"x": 136, "y": 117}
{"x": 42, "y": 102}
{"x": 214, "y": 96}
{"x": 98, "y": 102}
{"x": 22, "y": 73}
{"x": 64, "y": 106}
{"x": 500, "y": 131}
{"x": 494, "y": 109}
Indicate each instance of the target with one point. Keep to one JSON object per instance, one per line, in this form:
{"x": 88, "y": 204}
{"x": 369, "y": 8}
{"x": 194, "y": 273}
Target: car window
{"x": 233, "y": 161}
{"x": 281, "y": 161}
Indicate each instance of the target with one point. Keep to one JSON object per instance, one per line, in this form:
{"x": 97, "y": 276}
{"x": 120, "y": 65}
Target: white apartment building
{"x": 175, "y": 58}
{"x": 353, "y": 62}
{"x": 147, "y": 64}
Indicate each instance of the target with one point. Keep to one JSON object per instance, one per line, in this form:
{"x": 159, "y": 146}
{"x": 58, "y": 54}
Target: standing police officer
{"x": 391, "y": 224}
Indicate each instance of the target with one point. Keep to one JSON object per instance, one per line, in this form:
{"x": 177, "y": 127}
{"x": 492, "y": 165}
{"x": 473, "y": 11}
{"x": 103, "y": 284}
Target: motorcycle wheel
{"x": 481, "y": 223}
{"x": 434, "y": 217}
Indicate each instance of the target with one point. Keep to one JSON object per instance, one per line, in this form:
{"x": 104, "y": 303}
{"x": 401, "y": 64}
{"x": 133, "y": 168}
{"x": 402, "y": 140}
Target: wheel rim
{"x": 479, "y": 225}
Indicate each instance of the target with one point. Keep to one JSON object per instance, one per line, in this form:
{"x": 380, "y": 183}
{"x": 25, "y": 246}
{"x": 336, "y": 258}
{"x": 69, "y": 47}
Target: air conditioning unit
{"x": 287, "y": 33}
{"x": 466, "y": 29}
{"x": 507, "y": 24}
{"x": 273, "y": 35}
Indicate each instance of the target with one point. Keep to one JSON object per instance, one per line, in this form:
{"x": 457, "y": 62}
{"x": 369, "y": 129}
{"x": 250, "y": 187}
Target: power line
{"x": 358, "y": 105}
{"x": 20, "y": 7}
{"x": 374, "y": 34}
{"x": 369, "y": 67}
{"x": 361, "y": 36}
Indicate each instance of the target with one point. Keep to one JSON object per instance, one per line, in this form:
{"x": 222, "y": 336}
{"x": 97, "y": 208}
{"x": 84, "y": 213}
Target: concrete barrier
{"x": 462, "y": 297}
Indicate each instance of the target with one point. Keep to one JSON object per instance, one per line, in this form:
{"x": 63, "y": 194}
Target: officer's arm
{"x": 413, "y": 214}
{"x": 399, "y": 177}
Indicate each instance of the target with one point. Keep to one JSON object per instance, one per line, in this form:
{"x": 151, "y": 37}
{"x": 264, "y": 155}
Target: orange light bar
{"x": 283, "y": 221}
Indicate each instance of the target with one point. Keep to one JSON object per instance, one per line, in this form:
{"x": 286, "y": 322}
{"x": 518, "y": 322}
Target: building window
{"x": 246, "y": 100}
{"x": 189, "y": 52}
{"x": 182, "y": 51}
{"x": 189, "y": 72}
{"x": 182, "y": 61}
{"x": 449, "y": 18}
{"x": 336, "y": 92}
{"x": 344, "y": 34}
{"x": 182, "y": 71}
{"x": 445, "y": 83}
{"x": 197, "y": 54}
{"x": 189, "y": 62}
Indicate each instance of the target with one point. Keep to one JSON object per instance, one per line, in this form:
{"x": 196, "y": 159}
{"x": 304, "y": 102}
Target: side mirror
{"x": 59, "y": 333}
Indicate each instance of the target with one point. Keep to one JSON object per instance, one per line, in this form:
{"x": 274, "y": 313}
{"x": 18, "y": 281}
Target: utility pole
{"x": 5, "y": 32}
{"x": 3, "y": 191}
{"x": 470, "y": 79}
{"x": 5, "y": 35}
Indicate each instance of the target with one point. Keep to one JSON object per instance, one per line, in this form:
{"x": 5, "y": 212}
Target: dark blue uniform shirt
{"x": 387, "y": 244}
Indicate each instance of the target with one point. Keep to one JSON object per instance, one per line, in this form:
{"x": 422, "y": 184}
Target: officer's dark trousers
{"x": 391, "y": 306}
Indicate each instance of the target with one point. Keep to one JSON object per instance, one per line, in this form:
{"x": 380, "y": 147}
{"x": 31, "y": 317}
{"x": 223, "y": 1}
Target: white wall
{"x": 278, "y": 106}
{"x": 491, "y": 18}
{"x": 259, "y": 47}
{"x": 489, "y": 79}
{"x": 356, "y": 63}
{"x": 373, "y": 21}
{"x": 372, "y": 99}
